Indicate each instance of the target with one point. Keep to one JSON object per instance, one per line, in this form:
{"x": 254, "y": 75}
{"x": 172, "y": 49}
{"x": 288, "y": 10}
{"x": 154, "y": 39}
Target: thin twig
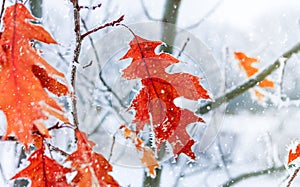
{"x": 109, "y": 89}
{"x": 53, "y": 148}
{"x": 8, "y": 138}
{"x": 111, "y": 24}
{"x": 209, "y": 13}
{"x": 183, "y": 47}
{"x": 2, "y": 10}
{"x": 90, "y": 8}
{"x": 241, "y": 177}
{"x": 293, "y": 177}
{"x": 88, "y": 65}
{"x": 282, "y": 97}
{"x": 248, "y": 84}
{"x": 147, "y": 12}
{"x": 112, "y": 147}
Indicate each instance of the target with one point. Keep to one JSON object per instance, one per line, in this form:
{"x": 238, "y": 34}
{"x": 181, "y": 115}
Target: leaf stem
{"x": 248, "y": 84}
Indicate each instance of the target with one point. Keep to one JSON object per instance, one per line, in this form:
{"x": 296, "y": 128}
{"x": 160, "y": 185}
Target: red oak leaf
{"x": 154, "y": 104}
{"x": 92, "y": 168}
{"x": 24, "y": 75}
{"x": 294, "y": 154}
{"x": 44, "y": 171}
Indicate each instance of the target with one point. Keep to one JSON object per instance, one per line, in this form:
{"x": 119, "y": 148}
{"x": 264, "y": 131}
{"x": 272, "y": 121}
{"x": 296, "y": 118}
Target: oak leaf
{"x": 25, "y": 75}
{"x": 147, "y": 156}
{"x": 92, "y": 168}
{"x": 44, "y": 171}
{"x": 154, "y": 104}
{"x": 294, "y": 154}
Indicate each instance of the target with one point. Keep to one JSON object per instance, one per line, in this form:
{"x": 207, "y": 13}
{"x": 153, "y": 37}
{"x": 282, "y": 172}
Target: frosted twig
{"x": 77, "y": 49}
{"x": 293, "y": 177}
{"x": 110, "y": 24}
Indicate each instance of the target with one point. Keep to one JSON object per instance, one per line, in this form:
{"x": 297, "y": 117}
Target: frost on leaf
{"x": 92, "y": 168}
{"x": 44, "y": 171}
{"x": 154, "y": 104}
{"x": 25, "y": 75}
{"x": 246, "y": 64}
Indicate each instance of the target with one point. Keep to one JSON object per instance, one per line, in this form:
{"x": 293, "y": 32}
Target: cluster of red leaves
{"x": 24, "y": 75}
{"x": 91, "y": 168}
{"x": 154, "y": 104}
{"x": 26, "y": 104}
{"x": 246, "y": 64}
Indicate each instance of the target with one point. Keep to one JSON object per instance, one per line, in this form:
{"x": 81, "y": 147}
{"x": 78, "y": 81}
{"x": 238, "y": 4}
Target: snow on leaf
{"x": 44, "y": 171}
{"x": 155, "y": 101}
{"x": 147, "y": 155}
{"x": 92, "y": 168}
{"x": 25, "y": 74}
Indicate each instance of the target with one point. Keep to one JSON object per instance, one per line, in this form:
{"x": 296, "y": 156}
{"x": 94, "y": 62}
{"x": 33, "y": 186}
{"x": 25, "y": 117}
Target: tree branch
{"x": 77, "y": 49}
{"x": 293, "y": 177}
{"x": 113, "y": 23}
{"x": 241, "y": 177}
{"x": 249, "y": 84}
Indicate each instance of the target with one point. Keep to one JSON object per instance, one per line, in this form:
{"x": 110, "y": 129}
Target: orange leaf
{"x": 25, "y": 74}
{"x": 266, "y": 84}
{"x": 155, "y": 100}
{"x": 148, "y": 156}
{"x": 92, "y": 168}
{"x": 293, "y": 155}
{"x": 246, "y": 63}
{"x": 44, "y": 171}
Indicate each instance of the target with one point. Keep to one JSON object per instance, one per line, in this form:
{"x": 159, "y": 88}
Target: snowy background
{"x": 254, "y": 136}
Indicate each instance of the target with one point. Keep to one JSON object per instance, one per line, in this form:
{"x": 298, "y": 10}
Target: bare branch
{"x": 241, "y": 177}
{"x": 293, "y": 177}
{"x": 113, "y": 23}
{"x": 248, "y": 84}
{"x": 147, "y": 13}
{"x": 109, "y": 89}
{"x": 90, "y": 8}
{"x": 209, "y": 13}
{"x": 53, "y": 148}
{"x": 88, "y": 65}
{"x": 183, "y": 47}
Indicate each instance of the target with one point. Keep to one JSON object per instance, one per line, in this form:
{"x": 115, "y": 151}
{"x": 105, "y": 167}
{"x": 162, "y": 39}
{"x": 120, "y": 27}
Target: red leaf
{"x": 92, "y": 167}
{"x": 24, "y": 75}
{"x": 155, "y": 100}
{"x": 294, "y": 154}
{"x": 44, "y": 171}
